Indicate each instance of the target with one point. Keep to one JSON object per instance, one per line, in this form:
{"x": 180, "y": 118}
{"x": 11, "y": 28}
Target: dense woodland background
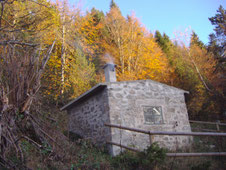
{"x": 51, "y": 53}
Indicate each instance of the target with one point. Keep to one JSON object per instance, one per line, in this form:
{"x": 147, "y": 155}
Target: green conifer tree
{"x": 195, "y": 40}
{"x": 113, "y": 4}
{"x": 218, "y": 39}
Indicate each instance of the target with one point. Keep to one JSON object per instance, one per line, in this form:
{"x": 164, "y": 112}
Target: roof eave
{"x": 83, "y": 96}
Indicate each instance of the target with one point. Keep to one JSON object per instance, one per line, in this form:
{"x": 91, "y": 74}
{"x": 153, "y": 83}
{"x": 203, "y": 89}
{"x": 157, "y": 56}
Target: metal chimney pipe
{"x": 109, "y": 70}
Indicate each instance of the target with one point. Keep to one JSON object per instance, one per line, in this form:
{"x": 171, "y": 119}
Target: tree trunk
{"x": 63, "y": 53}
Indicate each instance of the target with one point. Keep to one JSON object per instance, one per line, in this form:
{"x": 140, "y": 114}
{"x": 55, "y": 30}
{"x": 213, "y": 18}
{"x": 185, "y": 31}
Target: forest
{"x": 51, "y": 53}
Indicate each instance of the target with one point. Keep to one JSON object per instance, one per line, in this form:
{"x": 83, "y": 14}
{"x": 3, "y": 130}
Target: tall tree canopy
{"x": 218, "y": 38}
{"x": 61, "y": 51}
{"x": 217, "y": 46}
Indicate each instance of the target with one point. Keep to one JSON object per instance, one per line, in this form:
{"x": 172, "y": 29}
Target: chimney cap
{"x": 109, "y": 70}
{"x": 109, "y": 64}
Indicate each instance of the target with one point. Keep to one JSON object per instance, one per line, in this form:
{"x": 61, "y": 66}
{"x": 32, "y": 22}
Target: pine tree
{"x": 217, "y": 45}
{"x": 163, "y": 41}
{"x": 195, "y": 40}
{"x": 220, "y": 34}
{"x": 113, "y": 4}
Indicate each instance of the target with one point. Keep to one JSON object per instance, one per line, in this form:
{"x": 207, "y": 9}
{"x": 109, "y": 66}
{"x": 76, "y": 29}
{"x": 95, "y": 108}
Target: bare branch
{"x": 45, "y": 60}
{"x": 32, "y": 141}
{"x": 2, "y": 4}
{"x": 198, "y": 72}
{"x": 40, "y": 4}
{"x": 17, "y": 42}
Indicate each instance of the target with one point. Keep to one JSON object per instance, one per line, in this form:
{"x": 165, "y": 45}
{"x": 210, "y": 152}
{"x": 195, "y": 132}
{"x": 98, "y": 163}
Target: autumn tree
{"x": 55, "y": 77}
{"x": 82, "y": 75}
{"x": 76, "y": 37}
{"x": 132, "y": 48}
{"x": 193, "y": 70}
{"x": 114, "y": 36}
{"x": 90, "y": 34}
{"x": 203, "y": 64}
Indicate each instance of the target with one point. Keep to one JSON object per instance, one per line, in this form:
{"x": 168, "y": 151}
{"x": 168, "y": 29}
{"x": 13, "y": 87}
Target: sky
{"x": 168, "y": 16}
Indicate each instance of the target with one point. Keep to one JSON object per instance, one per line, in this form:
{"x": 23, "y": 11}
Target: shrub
{"x": 149, "y": 158}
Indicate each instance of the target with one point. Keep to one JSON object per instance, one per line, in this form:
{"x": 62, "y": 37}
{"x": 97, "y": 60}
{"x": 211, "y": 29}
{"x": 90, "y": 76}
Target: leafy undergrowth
{"x": 76, "y": 153}
{"x": 151, "y": 158}
{"x": 83, "y": 155}
{"x": 202, "y": 144}
{"x": 196, "y": 163}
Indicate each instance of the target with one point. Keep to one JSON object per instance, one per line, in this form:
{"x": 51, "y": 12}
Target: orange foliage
{"x": 133, "y": 49}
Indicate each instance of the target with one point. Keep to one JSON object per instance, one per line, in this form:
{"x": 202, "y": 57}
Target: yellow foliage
{"x": 133, "y": 49}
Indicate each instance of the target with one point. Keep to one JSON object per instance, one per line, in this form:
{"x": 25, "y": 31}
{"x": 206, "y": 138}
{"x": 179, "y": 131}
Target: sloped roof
{"x": 101, "y": 86}
{"x": 85, "y": 95}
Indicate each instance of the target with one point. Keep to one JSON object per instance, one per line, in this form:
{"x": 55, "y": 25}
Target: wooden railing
{"x": 151, "y": 137}
{"x": 217, "y": 123}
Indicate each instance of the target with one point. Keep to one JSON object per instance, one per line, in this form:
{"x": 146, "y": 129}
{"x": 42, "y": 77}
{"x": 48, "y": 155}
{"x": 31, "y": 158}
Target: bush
{"x": 205, "y": 165}
{"x": 149, "y": 158}
{"x": 153, "y": 155}
{"x": 74, "y": 137}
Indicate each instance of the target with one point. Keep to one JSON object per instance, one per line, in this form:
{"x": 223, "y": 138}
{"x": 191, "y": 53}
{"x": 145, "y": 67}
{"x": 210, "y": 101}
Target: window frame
{"x": 153, "y": 122}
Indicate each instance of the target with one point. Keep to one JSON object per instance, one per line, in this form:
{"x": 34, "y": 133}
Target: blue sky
{"x": 167, "y": 16}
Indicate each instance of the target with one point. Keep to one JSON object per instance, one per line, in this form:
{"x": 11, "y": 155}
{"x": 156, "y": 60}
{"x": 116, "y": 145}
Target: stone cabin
{"x": 142, "y": 104}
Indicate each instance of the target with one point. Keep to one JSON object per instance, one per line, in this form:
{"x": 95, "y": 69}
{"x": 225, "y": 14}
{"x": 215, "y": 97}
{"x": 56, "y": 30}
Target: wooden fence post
{"x": 217, "y": 124}
{"x": 151, "y": 139}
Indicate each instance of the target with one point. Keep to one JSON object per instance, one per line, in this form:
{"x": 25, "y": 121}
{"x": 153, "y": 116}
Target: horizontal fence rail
{"x": 217, "y": 123}
{"x": 196, "y": 154}
{"x": 211, "y": 123}
{"x": 174, "y": 154}
{"x": 123, "y": 146}
{"x": 166, "y": 133}
{"x": 206, "y": 130}
{"x": 151, "y": 133}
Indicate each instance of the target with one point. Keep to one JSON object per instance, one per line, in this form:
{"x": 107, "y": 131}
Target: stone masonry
{"x": 87, "y": 118}
{"x": 124, "y": 103}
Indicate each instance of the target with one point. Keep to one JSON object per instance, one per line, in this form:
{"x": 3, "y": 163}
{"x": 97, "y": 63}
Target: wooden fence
{"x": 152, "y": 133}
{"x": 217, "y": 123}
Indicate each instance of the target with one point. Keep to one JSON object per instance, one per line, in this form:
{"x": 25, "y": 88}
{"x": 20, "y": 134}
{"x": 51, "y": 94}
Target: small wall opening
{"x": 153, "y": 115}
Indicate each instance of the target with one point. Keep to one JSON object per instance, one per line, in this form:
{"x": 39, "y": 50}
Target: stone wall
{"x": 87, "y": 118}
{"x": 123, "y": 103}
{"x": 126, "y": 103}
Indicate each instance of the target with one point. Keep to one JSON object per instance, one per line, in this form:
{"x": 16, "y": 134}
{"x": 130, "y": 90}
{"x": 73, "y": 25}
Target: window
{"x": 153, "y": 114}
